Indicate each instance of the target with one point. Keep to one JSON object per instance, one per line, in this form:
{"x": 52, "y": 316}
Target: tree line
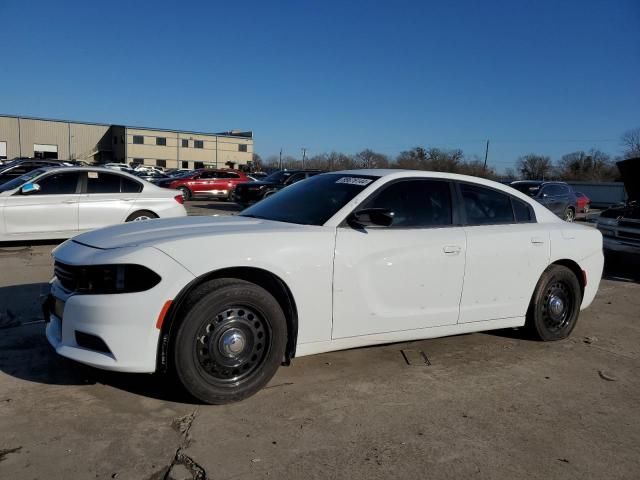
{"x": 591, "y": 165}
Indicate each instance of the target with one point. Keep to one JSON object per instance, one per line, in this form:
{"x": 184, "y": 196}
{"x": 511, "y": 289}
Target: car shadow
{"x": 25, "y": 353}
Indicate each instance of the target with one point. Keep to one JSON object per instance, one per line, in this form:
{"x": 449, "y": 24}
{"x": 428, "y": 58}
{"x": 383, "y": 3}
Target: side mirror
{"x": 28, "y": 188}
{"x": 372, "y": 217}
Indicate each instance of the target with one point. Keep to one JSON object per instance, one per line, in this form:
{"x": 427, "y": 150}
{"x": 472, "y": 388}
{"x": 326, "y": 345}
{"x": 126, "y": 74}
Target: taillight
{"x": 179, "y": 199}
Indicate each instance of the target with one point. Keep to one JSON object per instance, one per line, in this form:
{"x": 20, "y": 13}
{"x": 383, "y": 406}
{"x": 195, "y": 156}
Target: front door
{"x": 403, "y": 277}
{"x": 53, "y": 208}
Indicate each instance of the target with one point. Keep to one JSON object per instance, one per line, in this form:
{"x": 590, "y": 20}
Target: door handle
{"x": 537, "y": 240}
{"x": 451, "y": 249}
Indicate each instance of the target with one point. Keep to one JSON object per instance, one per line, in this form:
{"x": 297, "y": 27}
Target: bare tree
{"x": 534, "y": 167}
{"x": 631, "y": 143}
{"x": 586, "y": 166}
{"x": 369, "y": 159}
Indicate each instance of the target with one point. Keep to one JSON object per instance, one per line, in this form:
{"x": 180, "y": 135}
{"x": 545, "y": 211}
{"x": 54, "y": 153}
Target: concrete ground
{"x": 489, "y": 405}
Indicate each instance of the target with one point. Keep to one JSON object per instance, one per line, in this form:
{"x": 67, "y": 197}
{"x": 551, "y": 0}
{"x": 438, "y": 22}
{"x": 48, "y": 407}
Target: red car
{"x": 207, "y": 182}
{"x": 582, "y": 201}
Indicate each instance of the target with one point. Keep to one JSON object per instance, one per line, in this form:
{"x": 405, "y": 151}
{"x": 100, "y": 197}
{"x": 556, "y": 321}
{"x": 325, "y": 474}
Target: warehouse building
{"x": 103, "y": 143}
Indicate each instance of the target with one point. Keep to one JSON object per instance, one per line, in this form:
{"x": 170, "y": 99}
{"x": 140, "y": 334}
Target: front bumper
{"x": 125, "y": 322}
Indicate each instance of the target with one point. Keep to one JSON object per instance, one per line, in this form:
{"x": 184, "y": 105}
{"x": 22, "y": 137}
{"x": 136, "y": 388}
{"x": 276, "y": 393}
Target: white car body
{"x": 41, "y": 216}
{"x": 350, "y": 289}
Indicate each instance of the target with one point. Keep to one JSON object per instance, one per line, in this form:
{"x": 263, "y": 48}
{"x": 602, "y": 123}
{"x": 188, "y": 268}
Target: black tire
{"x": 186, "y": 193}
{"x": 555, "y": 305}
{"x": 231, "y": 341}
{"x": 569, "y": 214}
{"x": 141, "y": 215}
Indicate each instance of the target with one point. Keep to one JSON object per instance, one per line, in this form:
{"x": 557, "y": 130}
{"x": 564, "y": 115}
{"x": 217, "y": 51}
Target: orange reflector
{"x": 163, "y": 312}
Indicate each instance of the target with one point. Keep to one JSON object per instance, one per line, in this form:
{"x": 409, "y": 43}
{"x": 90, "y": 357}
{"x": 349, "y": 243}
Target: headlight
{"x": 105, "y": 279}
{"x": 611, "y": 222}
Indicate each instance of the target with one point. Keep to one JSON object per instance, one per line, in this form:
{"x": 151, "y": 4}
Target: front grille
{"x": 67, "y": 275}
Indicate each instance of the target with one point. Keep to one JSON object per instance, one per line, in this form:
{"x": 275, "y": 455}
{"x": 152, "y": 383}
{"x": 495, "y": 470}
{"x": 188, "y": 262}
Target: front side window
{"x": 485, "y": 206}
{"x": 295, "y": 178}
{"x": 138, "y": 139}
{"x": 312, "y": 202}
{"x": 416, "y": 203}
{"x": 63, "y": 183}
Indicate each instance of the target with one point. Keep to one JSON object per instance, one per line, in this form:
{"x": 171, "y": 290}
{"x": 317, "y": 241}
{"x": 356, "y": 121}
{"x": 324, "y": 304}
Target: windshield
{"x": 312, "y": 201}
{"x": 278, "y": 177}
{"x": 21, "y": 180}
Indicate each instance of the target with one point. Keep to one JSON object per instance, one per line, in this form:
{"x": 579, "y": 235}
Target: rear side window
{"x": 130, "y": 186}
{"x": 522, "y": 211}
{"x": 58, "y": 184}
{"x": 100, "y": 182}
{"x": 416, "y": 203}
{"x": 485, "y": 206}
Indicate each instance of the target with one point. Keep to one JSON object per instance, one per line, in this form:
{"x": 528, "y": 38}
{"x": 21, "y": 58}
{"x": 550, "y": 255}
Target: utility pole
{"x": 280, "y": 158}
{"x": 486, "y": 155}
{"x": 304, "y": 154}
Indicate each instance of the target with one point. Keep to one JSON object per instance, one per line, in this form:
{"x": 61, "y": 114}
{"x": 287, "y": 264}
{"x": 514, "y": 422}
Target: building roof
{"x": 229, "y": 133}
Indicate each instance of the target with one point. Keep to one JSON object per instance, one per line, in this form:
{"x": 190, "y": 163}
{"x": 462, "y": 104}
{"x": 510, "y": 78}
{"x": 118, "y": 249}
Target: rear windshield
{"x": 312, "y": 201}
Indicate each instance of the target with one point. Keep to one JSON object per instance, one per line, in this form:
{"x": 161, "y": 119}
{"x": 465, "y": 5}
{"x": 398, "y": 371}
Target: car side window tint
{"x": 58, "y": 184}
{"x": 485, "y": 206}
{"x": 416, "y": 203}
{"x": 100, "y": 182}
{"x": 523, "y": 212}
{"x": 295, "y": 178}
{"x": 130, "y": 186}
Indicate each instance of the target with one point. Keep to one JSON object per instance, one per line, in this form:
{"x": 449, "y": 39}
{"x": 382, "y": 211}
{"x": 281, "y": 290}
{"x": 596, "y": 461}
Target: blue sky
{"x": 533, "y": 76}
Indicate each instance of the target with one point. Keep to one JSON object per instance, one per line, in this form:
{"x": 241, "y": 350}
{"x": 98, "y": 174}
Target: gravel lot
{"x": 490, "y": 405}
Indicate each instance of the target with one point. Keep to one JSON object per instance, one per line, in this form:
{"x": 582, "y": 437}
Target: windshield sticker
{"x": 93, "y": 174}
{"x": 355, "y": 181}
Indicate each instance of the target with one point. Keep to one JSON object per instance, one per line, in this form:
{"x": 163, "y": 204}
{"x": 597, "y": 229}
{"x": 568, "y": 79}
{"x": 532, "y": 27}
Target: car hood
{"x": 630, "y": 172}
{"x": 160, "y": 231}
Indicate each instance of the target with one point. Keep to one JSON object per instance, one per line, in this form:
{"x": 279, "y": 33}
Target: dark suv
{"x": 558, "y": 197}
{"x": 17, "y": 168}
{"x": 251, "y": 192}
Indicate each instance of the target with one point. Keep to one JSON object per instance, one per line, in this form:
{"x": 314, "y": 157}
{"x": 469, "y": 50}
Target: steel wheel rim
{"x": 232, "y": 345}
{"x": 558, "y": 306}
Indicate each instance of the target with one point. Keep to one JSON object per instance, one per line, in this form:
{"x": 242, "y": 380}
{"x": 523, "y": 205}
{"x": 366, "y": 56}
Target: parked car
{"x": 152, "y": 176}
{"x": 558, "y": 197}
{"x": 124, "y": 167}
{"x": 60, "y": 202}
{"x": 207, "y": 182}
{"x": 620, "y": 225}
{"x": 582, "y": 202}
{"x": 341, "y": 260}
{"x": 253, "y": 192}
{"x": 257, "y": 176}
{"x": 17, "y": 168}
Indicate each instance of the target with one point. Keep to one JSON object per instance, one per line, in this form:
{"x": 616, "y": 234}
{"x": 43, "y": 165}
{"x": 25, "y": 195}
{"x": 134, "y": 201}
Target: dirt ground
{"x": 488, "y": 405}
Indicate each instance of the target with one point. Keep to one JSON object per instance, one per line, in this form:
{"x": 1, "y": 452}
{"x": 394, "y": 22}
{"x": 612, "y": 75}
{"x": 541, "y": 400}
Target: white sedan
{"x": 61, "y": 202}
{"x": 340, "y": 260}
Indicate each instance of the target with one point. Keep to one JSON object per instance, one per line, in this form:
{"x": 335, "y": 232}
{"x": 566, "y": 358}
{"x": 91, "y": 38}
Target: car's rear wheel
{"x": 569, "y": 214}
{"x": 555, "y": 306}
{"x": 141, "y": 216}
{"x": 186, "y": 193}
{"x": 231, "y": 341}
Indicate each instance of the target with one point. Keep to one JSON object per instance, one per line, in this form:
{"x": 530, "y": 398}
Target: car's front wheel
{"x": 555, "y": 305}
{"x": 231, "y": 341}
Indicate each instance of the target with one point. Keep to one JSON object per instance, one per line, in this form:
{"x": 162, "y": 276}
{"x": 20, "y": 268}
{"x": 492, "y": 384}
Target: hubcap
{"x": 231, "y": 345}
{"x": 141, "y": 218}
{"x": 558, "y": 306}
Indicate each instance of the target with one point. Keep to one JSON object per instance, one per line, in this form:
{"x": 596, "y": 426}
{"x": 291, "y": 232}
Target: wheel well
{"x": 575, "y": 268}
{"x": 267, "y": 280}
{"x": 133, "y": 214}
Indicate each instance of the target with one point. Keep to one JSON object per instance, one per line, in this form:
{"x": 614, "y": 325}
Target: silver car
{"x": 51, "y": 203}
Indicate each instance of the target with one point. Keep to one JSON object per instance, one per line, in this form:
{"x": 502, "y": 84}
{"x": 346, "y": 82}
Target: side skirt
{"x": 406, "y": 335}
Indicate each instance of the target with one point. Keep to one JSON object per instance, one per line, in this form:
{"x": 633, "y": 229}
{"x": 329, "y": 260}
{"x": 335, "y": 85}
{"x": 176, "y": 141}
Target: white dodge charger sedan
{"x": 340, "y": 260}
{"x": 61, "y": 202}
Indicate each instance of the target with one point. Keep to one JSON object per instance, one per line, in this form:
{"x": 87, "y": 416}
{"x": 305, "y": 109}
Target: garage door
{"x": 41, "y": 150}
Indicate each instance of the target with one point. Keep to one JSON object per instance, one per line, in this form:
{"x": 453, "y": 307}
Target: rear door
{"x": 507, "y": 251}
{"x": 107, "y": 199}
{"x": 54, "y": 208}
